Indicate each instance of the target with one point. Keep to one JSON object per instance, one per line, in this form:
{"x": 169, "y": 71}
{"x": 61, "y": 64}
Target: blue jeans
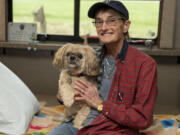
{"x": 65, "y": 128}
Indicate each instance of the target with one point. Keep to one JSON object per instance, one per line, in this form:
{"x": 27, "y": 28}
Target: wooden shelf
{"x": 55, "y": 45}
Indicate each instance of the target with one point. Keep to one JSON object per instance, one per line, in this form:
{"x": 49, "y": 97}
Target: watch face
{"x": 100, "y": 107}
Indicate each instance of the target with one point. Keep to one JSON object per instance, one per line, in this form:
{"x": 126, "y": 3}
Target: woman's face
{"x": 110, "y": 26}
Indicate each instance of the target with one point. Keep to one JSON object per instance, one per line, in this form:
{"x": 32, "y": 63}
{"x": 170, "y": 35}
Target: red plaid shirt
{"x": 131, "y": 99}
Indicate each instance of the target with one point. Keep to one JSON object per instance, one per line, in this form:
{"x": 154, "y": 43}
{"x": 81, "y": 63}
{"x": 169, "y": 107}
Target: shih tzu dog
{"x": 75, "y": 61}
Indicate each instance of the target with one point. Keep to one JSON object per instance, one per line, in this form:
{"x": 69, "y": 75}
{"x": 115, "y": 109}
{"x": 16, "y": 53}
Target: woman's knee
{"x": 64, "y": 129}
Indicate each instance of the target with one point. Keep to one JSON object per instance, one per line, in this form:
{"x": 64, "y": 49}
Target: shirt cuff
{"x": 111, "y": 109}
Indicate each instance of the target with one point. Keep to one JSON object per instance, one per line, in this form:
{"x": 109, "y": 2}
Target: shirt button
{"x": 106, "y": 113}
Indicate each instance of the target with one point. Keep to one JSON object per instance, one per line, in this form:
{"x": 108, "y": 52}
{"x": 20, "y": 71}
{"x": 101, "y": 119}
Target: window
{"x": 55, "y": 15}
{"x": 144, "y": 16}
{"x": 66, "y": 20}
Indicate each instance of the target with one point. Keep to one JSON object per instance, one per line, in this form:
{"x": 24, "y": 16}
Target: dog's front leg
{"x": 65, "y": 89}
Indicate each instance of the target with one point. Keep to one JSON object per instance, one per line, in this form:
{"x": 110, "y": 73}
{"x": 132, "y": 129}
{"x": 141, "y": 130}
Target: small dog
{"x": 75, "y": 61}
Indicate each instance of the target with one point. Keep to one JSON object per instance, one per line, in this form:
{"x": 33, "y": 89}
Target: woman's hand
{"x": 87, "y": 93}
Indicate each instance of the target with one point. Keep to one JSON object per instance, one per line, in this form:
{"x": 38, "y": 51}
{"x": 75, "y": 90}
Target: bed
{"x": 45, "y": 121}
{"x": 22, "y": 114}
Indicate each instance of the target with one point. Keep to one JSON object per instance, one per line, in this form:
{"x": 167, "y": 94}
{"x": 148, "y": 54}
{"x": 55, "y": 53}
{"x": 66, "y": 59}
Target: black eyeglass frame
{"x": 112, "y": 20}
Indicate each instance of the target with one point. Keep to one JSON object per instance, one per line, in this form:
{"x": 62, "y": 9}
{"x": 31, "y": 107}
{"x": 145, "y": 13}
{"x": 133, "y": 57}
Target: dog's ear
{"x": 92, "y": 63}
{"x": 58, "y": 61}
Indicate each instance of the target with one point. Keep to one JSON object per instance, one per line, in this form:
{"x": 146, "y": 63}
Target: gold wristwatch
{"x": 100, "y": 107}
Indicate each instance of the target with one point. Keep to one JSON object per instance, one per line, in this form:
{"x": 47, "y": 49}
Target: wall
{"x": 177, "y": 25}
{"x": 168, "y": 100}
{"x": 36, "y": 70}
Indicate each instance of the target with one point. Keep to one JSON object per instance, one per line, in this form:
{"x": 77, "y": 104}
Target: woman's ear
{"x": 126, "y": 26}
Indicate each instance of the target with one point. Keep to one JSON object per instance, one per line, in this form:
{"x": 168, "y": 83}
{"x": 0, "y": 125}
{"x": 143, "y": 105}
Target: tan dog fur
{"x": 73, "y": 60}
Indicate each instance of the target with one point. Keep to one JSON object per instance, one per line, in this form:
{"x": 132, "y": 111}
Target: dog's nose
{"x": 72, "y": 58}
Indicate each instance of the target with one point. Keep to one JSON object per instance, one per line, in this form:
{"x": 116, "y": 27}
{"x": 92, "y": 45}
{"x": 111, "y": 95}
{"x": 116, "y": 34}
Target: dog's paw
{"x": 60, "y": 118}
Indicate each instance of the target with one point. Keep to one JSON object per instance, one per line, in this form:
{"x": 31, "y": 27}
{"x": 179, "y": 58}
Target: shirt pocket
{"x": 126, "y": 96}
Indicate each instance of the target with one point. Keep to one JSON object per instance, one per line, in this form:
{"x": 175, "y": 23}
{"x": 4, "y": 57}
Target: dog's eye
{"x": 68, "y": 54}
{"x": 80, "y": 56}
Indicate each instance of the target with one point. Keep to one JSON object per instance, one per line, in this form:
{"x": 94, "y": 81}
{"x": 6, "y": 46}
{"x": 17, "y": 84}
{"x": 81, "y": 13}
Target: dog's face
{"x": 77, "y": 59}
{"x": 74, "y": 59}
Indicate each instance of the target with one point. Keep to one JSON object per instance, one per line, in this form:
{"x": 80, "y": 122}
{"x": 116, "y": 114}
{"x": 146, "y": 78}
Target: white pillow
{"x": 17, "y": 103}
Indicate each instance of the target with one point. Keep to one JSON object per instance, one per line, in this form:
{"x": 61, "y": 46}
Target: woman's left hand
{"x": 87, "y": 93}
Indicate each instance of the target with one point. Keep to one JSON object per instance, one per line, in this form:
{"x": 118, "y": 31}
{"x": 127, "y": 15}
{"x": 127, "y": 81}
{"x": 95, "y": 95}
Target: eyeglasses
{"x": 109, "y": 22}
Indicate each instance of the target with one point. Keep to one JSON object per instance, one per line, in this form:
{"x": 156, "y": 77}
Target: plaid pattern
{"x": 131, "y": 99}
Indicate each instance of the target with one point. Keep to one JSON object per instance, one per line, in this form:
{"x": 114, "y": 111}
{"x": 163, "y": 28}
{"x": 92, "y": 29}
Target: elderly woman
{"x": 125, "y": 100}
